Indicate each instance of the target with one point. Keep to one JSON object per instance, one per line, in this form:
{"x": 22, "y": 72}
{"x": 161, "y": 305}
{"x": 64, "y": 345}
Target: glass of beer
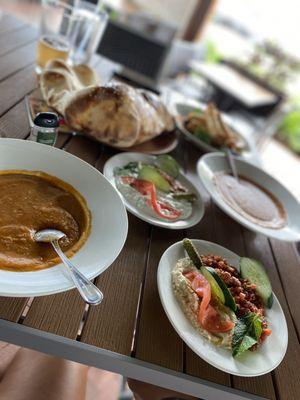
{"x": 58, "y": 30}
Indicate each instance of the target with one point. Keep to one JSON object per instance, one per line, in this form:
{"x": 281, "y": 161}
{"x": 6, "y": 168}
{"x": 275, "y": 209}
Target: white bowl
{"x": 213, "y": 163}
{"x": 251, "y": 363}
{"x": 109, "y": 217}
{"x": 122, "y": 159}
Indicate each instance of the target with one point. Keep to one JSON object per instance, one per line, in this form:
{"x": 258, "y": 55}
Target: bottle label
{"x": 46, "y": 137}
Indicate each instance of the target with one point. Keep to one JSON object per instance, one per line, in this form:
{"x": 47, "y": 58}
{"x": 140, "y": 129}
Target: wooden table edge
{"x": 127, "y": 366}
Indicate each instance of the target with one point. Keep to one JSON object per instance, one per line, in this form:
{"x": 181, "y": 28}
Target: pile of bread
{"x": 115, "y": 114}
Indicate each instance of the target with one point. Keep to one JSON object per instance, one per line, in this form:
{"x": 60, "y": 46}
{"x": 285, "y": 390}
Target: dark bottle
{"x": 44, "y": 129}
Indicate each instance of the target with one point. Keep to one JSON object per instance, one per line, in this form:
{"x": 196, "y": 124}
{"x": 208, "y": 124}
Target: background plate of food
{"x": 257, "y": 200}
{"x": 115, "y": 114}
{"x": 224, "y": 309}
{"x": 154, "y": 190}
{"x": 210, "y": 130}
{"x": 43, "y": 187}
{"x": 162, "y": 144}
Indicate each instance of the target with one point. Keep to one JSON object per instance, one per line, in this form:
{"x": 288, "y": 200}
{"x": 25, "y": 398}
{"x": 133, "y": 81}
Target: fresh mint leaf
{"x": 198, "y": 111}
{"x": 246, "y": 333}
{"x": 129, "y": 169}
{"x": 256, "y": 327}
{"x": 201, "y": 134}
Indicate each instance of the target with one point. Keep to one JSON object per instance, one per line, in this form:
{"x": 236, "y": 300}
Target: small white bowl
{"x": 212, "y": 163}
{"x": 121, "y": 160}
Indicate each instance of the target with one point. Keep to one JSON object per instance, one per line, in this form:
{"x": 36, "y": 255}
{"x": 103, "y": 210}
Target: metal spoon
{"x": 231, "y": 162}
{"x": 89, "y": 292}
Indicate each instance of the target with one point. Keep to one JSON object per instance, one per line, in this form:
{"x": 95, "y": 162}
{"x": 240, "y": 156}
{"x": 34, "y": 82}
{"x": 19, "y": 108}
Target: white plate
{"x": 109, "y": 217}
{"x": 259, "y": 362}
{"x": 210, "y": 164}
{"x": 183, "y": 109}
{"x": 122, "y": 159}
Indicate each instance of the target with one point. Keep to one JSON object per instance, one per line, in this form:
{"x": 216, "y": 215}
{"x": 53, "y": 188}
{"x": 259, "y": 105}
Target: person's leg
{"x": 36, "y": 376}
{"x": 144, "y": 391}
{"x": 102, "y": 385}
{"x": 7, "y": 354}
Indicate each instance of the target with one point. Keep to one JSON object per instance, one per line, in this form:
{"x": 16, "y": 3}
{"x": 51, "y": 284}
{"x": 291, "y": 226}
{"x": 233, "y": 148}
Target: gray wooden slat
{"x": 10, "y": 41}
{"x": 9, "y": 23}
{"x": 288, "y": 263}
{"x": 59, "y": 314}
{"x": 15, "y": 123}
{"x": 157, "y": 341}
{"x": 14, "y": 88}
{"x": 11, "y": 308}
{"x": 17, "y": 60}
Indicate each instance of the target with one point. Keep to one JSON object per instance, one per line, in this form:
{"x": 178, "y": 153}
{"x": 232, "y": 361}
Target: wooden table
{"x": 129, "y": 333}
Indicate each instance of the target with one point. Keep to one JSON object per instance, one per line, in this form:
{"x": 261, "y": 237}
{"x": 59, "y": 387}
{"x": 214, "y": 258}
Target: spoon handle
{"x": 231, "y": 161}
{"x": 89, "y": 292}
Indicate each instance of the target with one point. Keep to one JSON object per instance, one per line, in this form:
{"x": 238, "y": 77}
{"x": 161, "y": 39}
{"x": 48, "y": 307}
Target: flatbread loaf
{"x": 115, "y": 114}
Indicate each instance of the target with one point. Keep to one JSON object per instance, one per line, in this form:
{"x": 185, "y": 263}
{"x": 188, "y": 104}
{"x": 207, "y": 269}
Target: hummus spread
{"x": 32, "y": 201}
{"x": 189, "y": 302}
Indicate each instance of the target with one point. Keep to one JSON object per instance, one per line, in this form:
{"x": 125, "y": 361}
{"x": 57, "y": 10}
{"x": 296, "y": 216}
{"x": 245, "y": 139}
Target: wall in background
{"x": 177, "y": 12}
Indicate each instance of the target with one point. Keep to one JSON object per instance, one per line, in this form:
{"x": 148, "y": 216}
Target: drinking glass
{"x": 58, "y": 30}
{"x": 91, "y": 26}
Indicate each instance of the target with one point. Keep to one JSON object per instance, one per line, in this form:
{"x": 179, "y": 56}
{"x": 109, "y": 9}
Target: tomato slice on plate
{"x": 209, "y": 316}
{"x": 148, "y": 188}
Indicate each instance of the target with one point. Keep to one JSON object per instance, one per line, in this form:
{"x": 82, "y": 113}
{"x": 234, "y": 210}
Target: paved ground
{"x": 282, "y": 164}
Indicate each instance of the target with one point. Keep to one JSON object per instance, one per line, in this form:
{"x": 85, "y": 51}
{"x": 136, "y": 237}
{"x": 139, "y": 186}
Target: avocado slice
{"x": 229, "y": 299}
{"x": 151, "y": 174}
{"x": 168, "y": 164}
{"x": 216, "y": 291}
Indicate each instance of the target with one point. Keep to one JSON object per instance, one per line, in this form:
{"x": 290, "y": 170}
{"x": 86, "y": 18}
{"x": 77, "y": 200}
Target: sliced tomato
{"x": 265, "y": 333}
{"x": 142, "y": 186}
{"x": 148, "y": 188}
{"x": 212, "y": 321}
{"x": 208, "y": 316}
{"x": 202, "y": 287}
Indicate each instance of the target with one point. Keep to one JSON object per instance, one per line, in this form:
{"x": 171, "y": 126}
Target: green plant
{"x": 212, "y": 55}
{"x": 273, "y": 64}
{"x": 289, "y": 130}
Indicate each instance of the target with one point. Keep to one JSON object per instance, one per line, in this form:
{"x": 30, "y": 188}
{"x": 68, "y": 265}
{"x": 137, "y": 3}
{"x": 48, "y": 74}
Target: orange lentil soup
{"x": 31, "y": 201}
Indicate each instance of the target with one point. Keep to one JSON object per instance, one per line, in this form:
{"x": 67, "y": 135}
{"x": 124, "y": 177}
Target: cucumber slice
{"x": 151, "y": 174}
{"x": 255, "y": 272}
{"x": 168, "y": 165}
{"x": 216, "y": 291}
{"x": 228, "y": 298}
{"x": 192, "y": 253}
{"x": 190, "y": 197}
